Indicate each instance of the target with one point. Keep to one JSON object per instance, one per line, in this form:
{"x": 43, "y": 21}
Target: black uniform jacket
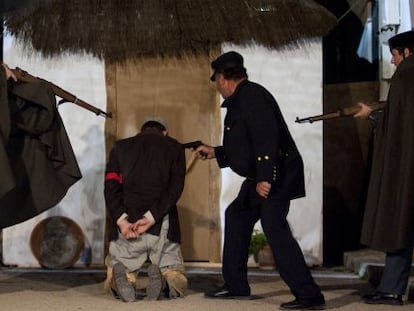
{"x": 257, "y": 143}
{"x": 389, "y": 213}
{"x": 146, "y": 173}
{"x": 37, "y": 162}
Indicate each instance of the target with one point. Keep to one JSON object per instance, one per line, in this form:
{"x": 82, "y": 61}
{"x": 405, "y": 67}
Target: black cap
{"x": 402, "y": 40}
{"x": 227, "y": 60}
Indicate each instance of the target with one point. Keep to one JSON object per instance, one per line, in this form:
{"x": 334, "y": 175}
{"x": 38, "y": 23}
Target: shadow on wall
{"x": 341, "y": 227}
{"x": 345, "y": 177}
{"x": 346, "y": 160}
{"x": 93, "y": 211}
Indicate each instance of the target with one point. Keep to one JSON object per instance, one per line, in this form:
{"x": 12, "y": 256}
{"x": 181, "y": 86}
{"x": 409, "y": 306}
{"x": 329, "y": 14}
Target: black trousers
{"x": 240, "y": 218}
{"x": 396, "y": 273}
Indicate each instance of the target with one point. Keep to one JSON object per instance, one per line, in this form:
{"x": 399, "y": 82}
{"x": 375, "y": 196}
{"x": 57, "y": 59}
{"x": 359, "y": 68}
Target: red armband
{"x": 114, "y": 176}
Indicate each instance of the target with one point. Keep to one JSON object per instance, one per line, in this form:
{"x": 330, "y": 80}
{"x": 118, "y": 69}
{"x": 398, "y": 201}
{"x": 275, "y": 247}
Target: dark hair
{"x": 233, "y": 73}
{"x": 401, "y": 49}
{"x": 153, "y": 125}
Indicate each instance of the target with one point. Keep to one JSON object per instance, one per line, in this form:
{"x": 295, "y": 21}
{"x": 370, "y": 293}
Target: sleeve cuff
{"x": 220, "y": 156}
{"x": 121, "y": 218}
{"x": 148, "y": 215}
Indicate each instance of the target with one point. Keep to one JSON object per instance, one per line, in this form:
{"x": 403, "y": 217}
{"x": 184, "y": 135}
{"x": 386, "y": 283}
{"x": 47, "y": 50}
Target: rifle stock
{"x": 342, "y": 112}
{"x": 24, "y": 76}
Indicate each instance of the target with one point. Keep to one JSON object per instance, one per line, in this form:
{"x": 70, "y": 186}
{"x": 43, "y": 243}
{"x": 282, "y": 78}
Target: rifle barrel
{"x": 319, "y": 117}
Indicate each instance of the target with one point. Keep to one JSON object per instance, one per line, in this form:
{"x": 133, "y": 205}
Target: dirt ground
{"x": 76, "y": 290}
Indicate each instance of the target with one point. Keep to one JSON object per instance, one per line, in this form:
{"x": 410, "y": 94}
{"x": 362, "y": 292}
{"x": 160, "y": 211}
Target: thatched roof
{"x": 116, "y": 30}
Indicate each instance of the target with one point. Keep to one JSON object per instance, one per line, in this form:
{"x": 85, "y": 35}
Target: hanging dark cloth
{"x": 37, "y": 162}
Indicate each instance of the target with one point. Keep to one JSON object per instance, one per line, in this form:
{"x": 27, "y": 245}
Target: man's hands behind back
{"x": 134, "y": 230}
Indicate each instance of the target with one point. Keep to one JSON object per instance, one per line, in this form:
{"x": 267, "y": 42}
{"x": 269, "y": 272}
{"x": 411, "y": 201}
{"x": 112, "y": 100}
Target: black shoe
{"x": 383, "y": 298}
{"x": 224, "y": 293}
{"x": 305, "y": 304}
{"x": 154, "y": 288}
{"x": 123, "y": 288}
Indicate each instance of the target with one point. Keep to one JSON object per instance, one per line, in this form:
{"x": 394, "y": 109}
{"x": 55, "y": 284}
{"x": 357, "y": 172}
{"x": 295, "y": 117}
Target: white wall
{"x": 83, "y": 76}
{"x": 294, "y": 77}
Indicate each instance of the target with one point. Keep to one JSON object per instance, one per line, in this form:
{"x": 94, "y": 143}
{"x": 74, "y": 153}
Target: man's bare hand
{"x": 263, "y": 188}
{"x": 205, "y": 152}
{"x": 142, "y": 225}
{"x": 9, "y": 73}
{"x": 364, "y": 112}
{"x": 126, "y": 229}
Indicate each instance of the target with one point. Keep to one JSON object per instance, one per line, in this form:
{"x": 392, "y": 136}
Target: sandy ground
{"x": 76, "y": 290}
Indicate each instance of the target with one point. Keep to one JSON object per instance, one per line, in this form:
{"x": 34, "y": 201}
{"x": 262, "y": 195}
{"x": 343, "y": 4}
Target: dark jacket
{"x": 389, "y": 214}
{"x": 146, "y": 173}
{"x": 8, "y": 181}
{"x": 257, "y": 143}
{"x": 40, "y": 165}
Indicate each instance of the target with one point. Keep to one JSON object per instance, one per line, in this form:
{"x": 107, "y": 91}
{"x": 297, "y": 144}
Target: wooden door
{"x": 180, "y": 92}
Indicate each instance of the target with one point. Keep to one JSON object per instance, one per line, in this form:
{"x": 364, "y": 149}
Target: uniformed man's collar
{"x": 229, "y": 99}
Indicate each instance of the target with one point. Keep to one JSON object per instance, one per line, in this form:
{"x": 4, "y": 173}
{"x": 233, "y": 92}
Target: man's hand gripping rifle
{"x": 24, "y": 76}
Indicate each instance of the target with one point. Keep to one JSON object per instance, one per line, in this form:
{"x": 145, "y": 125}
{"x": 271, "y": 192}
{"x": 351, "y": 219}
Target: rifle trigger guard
{"x": 62, "y": 101}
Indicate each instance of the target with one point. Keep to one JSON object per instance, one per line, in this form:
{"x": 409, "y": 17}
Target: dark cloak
{"x": 40, "y": 161}
{"x": 389, "y": 215}
{"x": 7, "y": 179}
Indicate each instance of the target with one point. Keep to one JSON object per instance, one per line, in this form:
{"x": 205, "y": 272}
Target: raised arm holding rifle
{"x": 23, "y": 76}
{"x": 37, "y": 162}
{"x": 9, "y": 73}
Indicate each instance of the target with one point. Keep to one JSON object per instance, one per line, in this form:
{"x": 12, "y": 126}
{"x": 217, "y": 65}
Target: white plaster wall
{"x": 83, "y": 76}
{"x": 294, "y": 77}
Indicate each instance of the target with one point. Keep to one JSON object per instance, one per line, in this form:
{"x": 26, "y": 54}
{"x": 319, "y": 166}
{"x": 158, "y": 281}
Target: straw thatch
{"x": 117, "y": 30}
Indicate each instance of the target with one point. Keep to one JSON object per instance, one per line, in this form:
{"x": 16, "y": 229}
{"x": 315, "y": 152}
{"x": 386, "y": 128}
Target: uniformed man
{"x": 257, "y": 145}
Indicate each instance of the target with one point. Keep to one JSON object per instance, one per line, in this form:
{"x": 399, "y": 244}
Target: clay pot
{"x": 57, "y": 242}
{"x": 265, "y": 258}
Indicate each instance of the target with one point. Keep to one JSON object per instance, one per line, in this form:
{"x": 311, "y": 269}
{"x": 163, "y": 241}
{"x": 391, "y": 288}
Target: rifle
{"x": 342, "y": 112}
{"x": 24, "y": 76}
